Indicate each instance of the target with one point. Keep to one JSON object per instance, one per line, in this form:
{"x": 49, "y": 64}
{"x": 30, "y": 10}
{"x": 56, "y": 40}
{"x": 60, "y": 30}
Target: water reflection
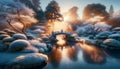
{"x": 90, "y": 54}
{"x": 55, "y": 57}
{"x": 93, "y": 54}
{"x": 72, "y": 53}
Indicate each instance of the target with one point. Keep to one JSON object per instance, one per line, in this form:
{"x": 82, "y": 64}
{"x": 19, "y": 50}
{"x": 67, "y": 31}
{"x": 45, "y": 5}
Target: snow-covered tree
{"x": 53, "y": 12}
{"x": 16, "y": 15}
{"x": 72, "y": 15}
{"x": 34, "y": 4}
{"x": 92, "y": 10}
{"x": 111, "y": 11}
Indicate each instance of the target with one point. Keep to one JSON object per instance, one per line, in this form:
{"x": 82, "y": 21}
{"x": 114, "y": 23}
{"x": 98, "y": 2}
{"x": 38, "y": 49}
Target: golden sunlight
{"x": 58, "y": 26}
{"x": 96, "y": 19}
{"x": 61, "y": 40}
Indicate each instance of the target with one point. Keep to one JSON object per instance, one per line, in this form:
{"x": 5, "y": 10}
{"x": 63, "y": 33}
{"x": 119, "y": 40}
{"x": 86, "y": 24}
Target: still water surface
{"x": 84, "y": 57}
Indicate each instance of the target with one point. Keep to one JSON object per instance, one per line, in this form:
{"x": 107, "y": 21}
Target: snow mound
{"x": 42, "y": 47}
{"x": 19, "y": 36}
{"x": 116, "y": 29}
{"x": 112, "y": 42}
{"x": 103, "y": 35}
{"x": 114, "y": 36}
{"x": 3, "y": 36}
{"x": 7, "y": 41}
{"x": 34, "y": 60}
{"x": 18, "y": 45}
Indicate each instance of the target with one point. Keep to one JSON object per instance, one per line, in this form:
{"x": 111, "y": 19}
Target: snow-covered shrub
{"x": 116, "y": 29}
{"x": 16, "y": 16}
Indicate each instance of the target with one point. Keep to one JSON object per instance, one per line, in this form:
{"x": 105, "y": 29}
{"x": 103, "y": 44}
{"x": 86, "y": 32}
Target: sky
{"x": 65, "y": 5}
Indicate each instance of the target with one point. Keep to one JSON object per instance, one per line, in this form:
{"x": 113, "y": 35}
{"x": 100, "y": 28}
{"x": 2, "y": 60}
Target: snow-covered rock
{"x": 3, "y": 36}
{"x": 112, "y": 43}
{"x": 38, "y": 27}
{"x": 42, "y": 47}
{"x": 19, "y": 36}
{"x": 114, "y": 36}
{"x": 29, "y": 61}
{"x": 116, "y": 29}
{"x": 30, "y": 49}
{"x": 8, "y": 40}
{"x": 103, "y": 35}
{"x": 80, "y": 31}
{"x": 18, "y": 45}
{"x": 23, "y": 60}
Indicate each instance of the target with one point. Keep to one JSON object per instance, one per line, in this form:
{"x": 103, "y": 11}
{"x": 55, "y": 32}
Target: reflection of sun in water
{"x": 65, "y": 58}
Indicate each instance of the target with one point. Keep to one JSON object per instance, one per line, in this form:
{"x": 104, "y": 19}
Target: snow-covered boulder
{"x": 34, "y": 60}
{"x": 19, "y": 36}
{"x": 114, "y": 36}
{"x": 80, "y": 31}
{"x": 38, "y": 27}
{"x": 118, "y": 32}
{"x": 18, "y": 45}
{"x": 116, "y": 29}
{"x": 103, "y": 35}
{"x": 8, "y": 40}
{"x": 3, "y": 36}
{"x": 42, "y": 47}
{"x": 22, "y": 60}
{"x": 30, "y": 49}
{"x": 2, "y": 32}
{"x": 112, "y": 43}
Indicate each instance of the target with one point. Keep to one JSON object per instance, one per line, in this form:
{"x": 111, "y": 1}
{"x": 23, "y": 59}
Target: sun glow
{"x": 96, "y": 19}
{"x": 61, "y": 40}
{"x": 58, "y": 26}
